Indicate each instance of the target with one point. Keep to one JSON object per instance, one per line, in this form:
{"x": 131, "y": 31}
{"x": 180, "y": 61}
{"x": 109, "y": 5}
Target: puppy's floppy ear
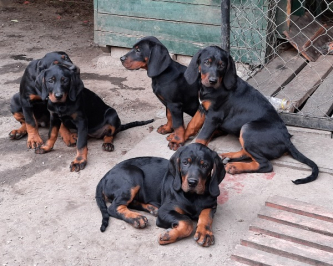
{"x": 40, "y": 85}
{"x": 174, "y": 169}
{"x": 40, "y": 66}
{"x": 230, "y": 77}
{"x": 192, "y": 72}
{"x": 76, "y": 84}
{"x": 159, "y": 59}
{"x": 217, "y": 175}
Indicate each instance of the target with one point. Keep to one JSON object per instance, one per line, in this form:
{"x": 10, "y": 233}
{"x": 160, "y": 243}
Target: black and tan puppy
{"x": 168, "y": 83}
{"x": 77, "y": 107}
{"x": 233, "y": 106}
{"x": 177, "y": 191}
{"x": 28, "y": 107}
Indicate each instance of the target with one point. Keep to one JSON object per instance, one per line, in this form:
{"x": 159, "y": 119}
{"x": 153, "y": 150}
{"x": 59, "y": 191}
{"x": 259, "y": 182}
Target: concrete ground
{"x": 49, "y": 215}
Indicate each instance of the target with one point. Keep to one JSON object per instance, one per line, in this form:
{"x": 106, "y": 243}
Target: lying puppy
{"x": 78, "y": 108}
{"x": 168, "y": 83}
{"x": 28, "y": 107}
{"x": 176, "y": 191}
{"x": 233, "y": 106}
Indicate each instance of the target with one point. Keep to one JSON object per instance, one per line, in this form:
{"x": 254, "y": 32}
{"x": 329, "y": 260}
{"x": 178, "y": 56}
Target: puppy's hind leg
{"x": 16, "y": 109}
{"x": 179, "y": 225}
{"x": 250, "y": 151}
{"x": 144, "y": 207}
{"x": 108, "y": 134}
{"x": 111, "y": 127}
{"x": 235, "y": 156}
{"x": 119, "y": 209}
{"x": 108, "y": 143}
{"x": 255, "y": 166}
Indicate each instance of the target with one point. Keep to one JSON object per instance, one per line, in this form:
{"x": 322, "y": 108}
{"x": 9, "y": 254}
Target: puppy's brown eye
{"x": 206, "y": 62}
{"x": 187, "y": 161}
{"x": 137, "y": 50}
{"x": 51, "y": 81}
{"x": 204, "y": 165}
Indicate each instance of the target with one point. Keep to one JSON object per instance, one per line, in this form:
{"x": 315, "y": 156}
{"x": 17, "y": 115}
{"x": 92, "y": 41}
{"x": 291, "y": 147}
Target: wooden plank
{"x": 253, "y": 256}
{"x": 196, "y": 2}
{"x": 174, "y": 11}
{"x": 288, "y": 249}
{"x": 321, "y": 123}
{"x": 306, "y": 82}
{"x": 171, "y": 11}
{"x": 320, "y": 104}
{"x": 293, "y": 234}
{"x": 172, "y": 30}
{"x": 280, "y": 236}
{"x": 279, "y": 72}
{"x": 181, "y": 20}
{"x": 300, "y": 207}
{"x": 174, "y": 46}
{"x": 303, "y": 29}
{"x": 295, "y": 220}
{"x": 125, "y": 31}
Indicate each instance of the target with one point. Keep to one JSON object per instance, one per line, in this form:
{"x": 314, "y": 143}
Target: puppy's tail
{"x": 301, "y": 158}
{"x": 102, "y": 206}
{"x": 135, "y": 124}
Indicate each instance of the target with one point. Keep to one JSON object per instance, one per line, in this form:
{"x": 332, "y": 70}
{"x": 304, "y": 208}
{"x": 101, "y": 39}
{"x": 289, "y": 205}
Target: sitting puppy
{"x": 233, "y": 106}
{"x": 168, "y": 83}
{"x": 28, "y": 107}
{"x": 177, "y": 191}
{"x": 78, "y": 108}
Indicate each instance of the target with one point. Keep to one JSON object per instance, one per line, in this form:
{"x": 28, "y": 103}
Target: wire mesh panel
{"x": 252, "y": 35}
{"x": 289, "y": 45}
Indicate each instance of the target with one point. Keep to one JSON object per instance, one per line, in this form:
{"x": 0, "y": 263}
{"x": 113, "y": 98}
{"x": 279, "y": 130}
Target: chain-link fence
{"x": 285, "y": 47}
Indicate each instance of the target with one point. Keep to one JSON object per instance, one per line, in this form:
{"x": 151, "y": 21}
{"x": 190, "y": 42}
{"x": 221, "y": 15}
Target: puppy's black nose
{"x": 212, "y": 80}
{"x": 58, "y": 95}
{"x": 192, "y": 182}
{"x": 123, "y": 58}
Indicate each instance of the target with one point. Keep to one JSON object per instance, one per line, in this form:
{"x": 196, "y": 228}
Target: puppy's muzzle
{"x": 58, "y": 95}
{"x": 212, "y": 80}
{"x": 192, "y": 182}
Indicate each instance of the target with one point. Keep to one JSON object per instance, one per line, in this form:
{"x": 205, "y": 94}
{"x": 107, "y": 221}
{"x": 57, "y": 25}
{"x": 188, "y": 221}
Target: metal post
{"x": 225, "y": 25}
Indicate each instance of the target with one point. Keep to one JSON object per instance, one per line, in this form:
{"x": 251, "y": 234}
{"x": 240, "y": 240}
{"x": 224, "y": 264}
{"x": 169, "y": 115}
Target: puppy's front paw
{"x": 77, "y": 165}
{"x": 140, "y": 222}
{"x": 204, "y": 237}
{"x": 164, "y": 129}
{"x": 17, "y": 134}
{"x": 231, "y": 168}
{"x": 108, "y": 147}
{"x": 166, "y": 238}
{"x": 34, "y": 141}
{"x": 42, "y": 149}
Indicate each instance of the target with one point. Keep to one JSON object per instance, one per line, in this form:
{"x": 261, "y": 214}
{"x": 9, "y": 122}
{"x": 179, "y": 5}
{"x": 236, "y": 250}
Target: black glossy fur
{"x": 27, "y": 106}
{"x": 78, "y": 108}
{"x": 233, "y": 106}
{"x": 177, "y": 191}
{"x": 168, "y": 83}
